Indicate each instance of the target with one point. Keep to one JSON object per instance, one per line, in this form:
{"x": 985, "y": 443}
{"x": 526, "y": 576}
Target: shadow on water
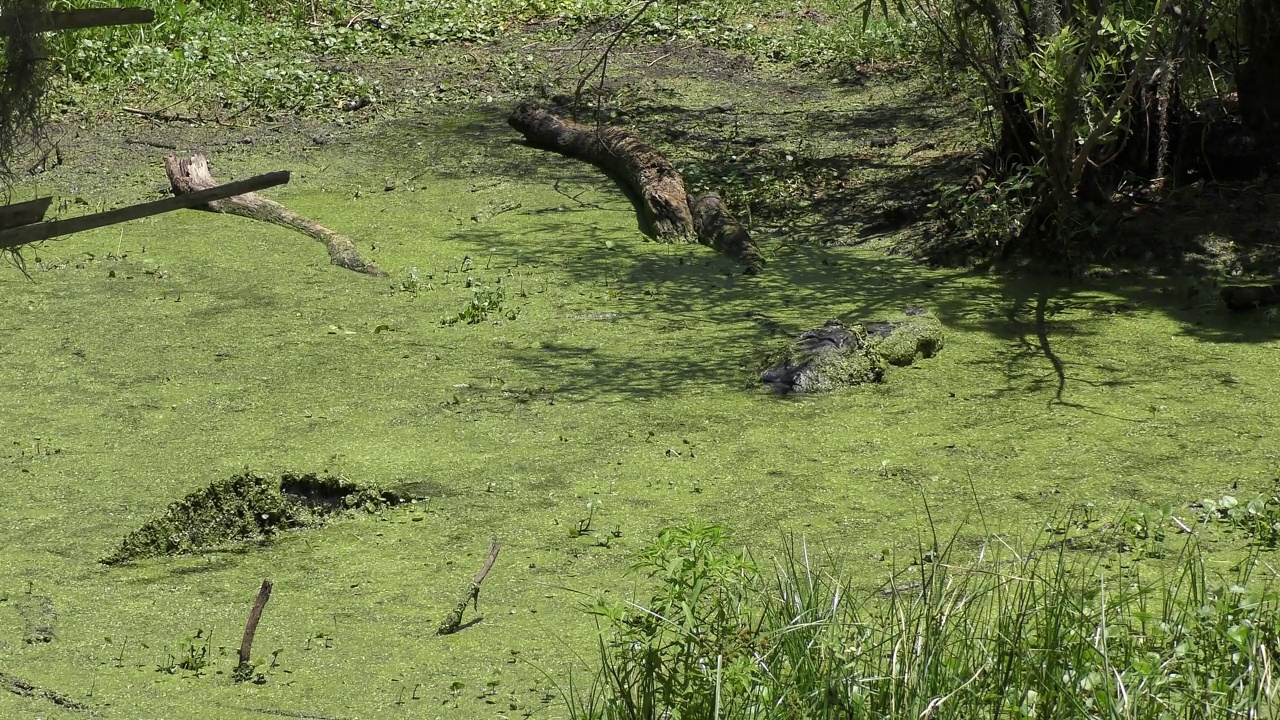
{"x": 713, "y": 320}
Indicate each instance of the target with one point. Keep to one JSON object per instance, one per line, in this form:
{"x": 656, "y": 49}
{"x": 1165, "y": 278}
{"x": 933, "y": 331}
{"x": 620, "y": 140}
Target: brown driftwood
{"x": 13, "y": 237}
{"x": 24, "y": 213}
{"x": 191, "y": 174}
{"x": 720, "y": 230}
{"x": 649, "y": 174}
{"x": 79, "y": 19}
{"x": 1248, "y": 297}
{"x": 245, "y": 668}
{"x": 453, "y": 623}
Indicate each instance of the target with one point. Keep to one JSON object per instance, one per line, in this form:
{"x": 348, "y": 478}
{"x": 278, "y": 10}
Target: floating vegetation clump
{"x": 243, "y": 508}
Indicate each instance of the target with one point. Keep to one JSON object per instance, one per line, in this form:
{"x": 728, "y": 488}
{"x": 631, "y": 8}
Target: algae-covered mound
{"x": 835, "y": 355}
{"x": 243, "y": 508}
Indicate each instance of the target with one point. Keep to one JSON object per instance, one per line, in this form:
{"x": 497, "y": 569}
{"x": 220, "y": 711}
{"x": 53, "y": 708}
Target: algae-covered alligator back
{"x": 837, "y": 355}
{"x": 245, "y": 507}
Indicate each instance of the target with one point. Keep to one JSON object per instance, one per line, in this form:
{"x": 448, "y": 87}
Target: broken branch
{"x": 453, "y": 622}
{"x": 251, "y": 627}
{"x": 26, "y": 234}
{"x": 191, "y": 175}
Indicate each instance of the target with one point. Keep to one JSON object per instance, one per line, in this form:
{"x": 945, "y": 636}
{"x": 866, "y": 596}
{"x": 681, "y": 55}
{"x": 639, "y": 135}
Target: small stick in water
{"x": 453, "y": 622}
{"x": 245, "y": 668}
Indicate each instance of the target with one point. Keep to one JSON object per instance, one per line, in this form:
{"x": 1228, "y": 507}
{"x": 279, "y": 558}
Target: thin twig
{"x": 251, "y": 627}
{"x": 453, "y": 622}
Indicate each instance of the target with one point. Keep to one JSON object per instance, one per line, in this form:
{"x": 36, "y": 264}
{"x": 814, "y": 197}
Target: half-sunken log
{"x": 648, "y": 172}
{"x": 720, "y": 230}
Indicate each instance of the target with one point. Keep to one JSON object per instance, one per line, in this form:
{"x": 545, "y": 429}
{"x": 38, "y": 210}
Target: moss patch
{"x": 246, "y": 507}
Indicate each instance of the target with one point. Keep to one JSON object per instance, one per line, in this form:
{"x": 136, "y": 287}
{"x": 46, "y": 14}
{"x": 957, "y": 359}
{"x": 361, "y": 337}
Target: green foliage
{"x": 192, "y": 655}
{"x": 232, "y": 57}
{"x": 1037, "y": 635}
{"x": 693, "y": 638}
{"x": 1147, "y": 527}
{"x": 486, "y": 301}
{"x": 1259, "y": 518}
{"x": 990, "y": 217}
{"x": 1079, "y": 96}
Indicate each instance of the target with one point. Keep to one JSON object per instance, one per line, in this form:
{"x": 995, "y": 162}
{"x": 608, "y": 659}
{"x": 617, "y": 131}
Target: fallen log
{"x": 24, "y": 213}
{"x": 646, "y": 171}
{"x": 1249, "y": 297}
{"x": 191, "y": 175}
{"x": 669, "y": 212}
{"x": 26, "y": 234}
{"x": 77, "y": 20}
{"x": 720, "y": 230}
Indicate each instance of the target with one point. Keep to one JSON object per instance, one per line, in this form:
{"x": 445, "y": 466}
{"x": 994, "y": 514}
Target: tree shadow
{"x": 875, "y": 184}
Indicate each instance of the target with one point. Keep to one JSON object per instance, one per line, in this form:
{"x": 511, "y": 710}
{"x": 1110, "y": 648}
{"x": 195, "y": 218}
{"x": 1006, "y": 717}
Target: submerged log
{"x": 646, "y": 171}
{"x": 188, "y": 175}
{"x": 1249, "y": 297}
{"x": 836, "y": 356}
{"x": 720, "y": 230}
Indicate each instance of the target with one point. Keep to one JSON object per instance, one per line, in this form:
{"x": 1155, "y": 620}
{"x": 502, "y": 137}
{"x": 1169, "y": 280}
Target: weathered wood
{"x": 453, "y": 622}
{"x": 648, "y": 173}
{"x": 78, "y": 19}
{"x": 721, "y": 231}
{"x": 24, "y": 213}
{"x": 191, "y": 175}
{"x": 251, "y": 628}
{"x": 1248, "y": 297}
{"x": 27, "y": 234}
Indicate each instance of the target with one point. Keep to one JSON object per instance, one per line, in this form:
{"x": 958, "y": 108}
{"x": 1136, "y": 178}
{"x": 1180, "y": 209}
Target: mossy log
{"x": 838, "y": 355}
{"x": 669, "y": 213}
{"x": 1249, "y": 297}
{"x": 192, "y": 174}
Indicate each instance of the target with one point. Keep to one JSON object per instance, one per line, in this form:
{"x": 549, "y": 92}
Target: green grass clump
{"x": 240, "y": 508}
{"x": 1040, "y": 635}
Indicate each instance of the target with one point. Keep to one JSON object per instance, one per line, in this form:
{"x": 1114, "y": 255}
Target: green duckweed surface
{"x": 612, "y": 382}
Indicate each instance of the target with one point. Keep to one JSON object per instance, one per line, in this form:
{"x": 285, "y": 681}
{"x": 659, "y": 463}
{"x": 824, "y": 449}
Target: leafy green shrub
{"x": 991, "y": 217}
{"x": 695, "y": 635}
